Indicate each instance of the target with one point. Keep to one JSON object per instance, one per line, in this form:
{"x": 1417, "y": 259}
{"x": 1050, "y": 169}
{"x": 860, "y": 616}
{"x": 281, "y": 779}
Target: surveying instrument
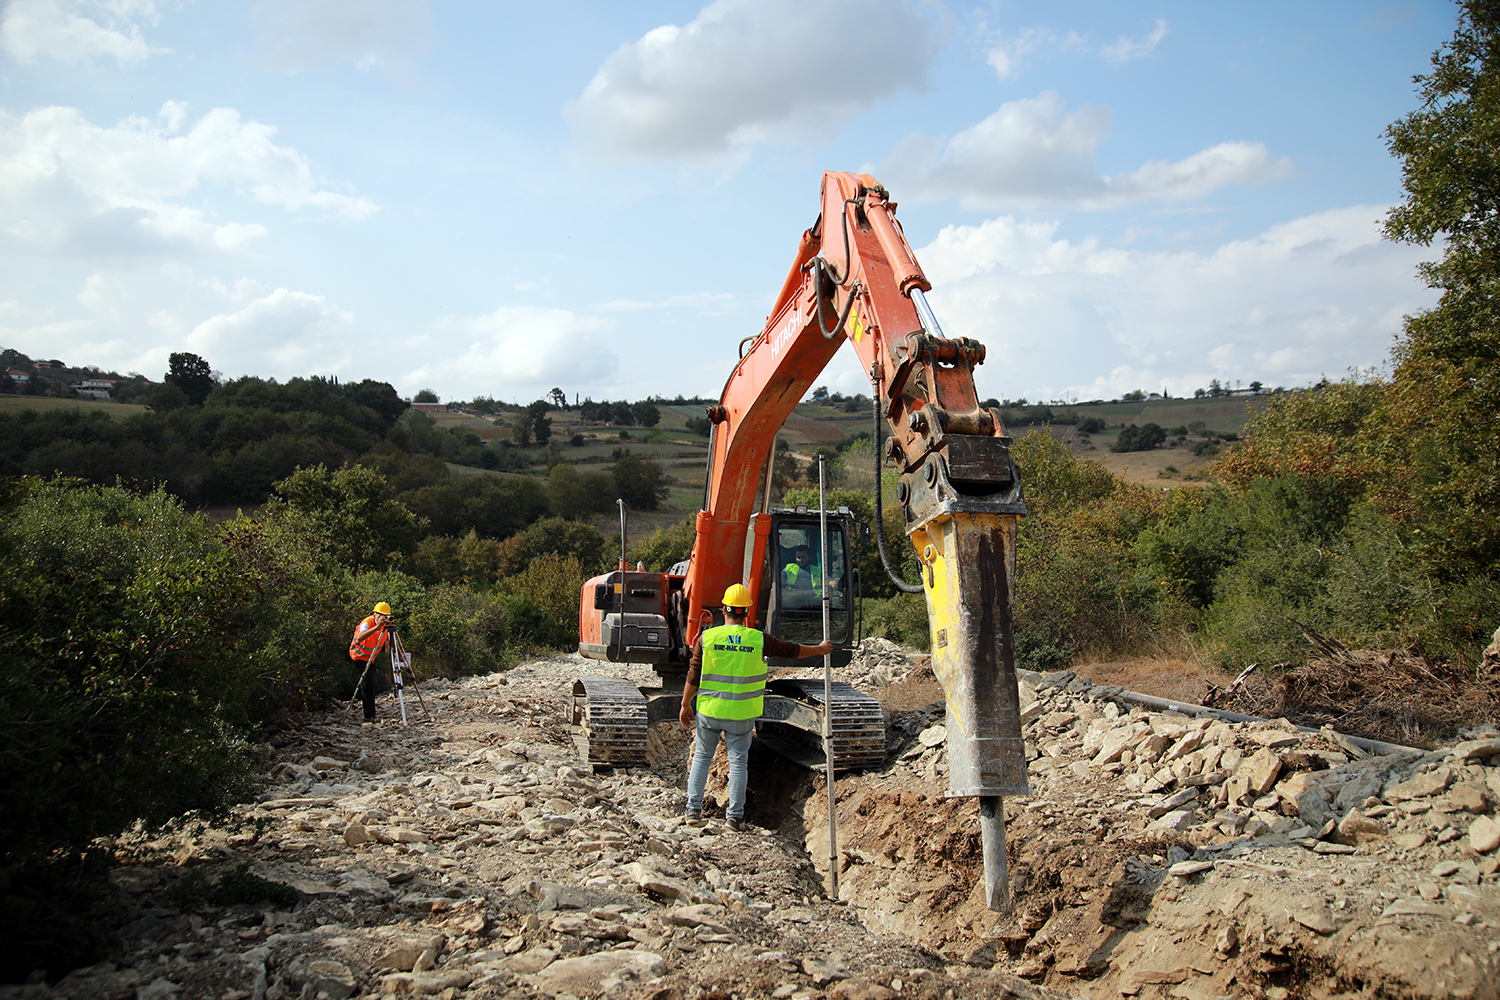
{"x": 400, "y": 667}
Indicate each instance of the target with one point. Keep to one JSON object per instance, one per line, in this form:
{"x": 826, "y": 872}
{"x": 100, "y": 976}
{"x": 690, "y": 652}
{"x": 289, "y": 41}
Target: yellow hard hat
{"x": 382, "y": 608}
{"x": 737, "y": 596}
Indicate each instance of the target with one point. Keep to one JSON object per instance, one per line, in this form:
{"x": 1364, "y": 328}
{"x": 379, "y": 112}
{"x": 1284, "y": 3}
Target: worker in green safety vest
{"x": 725, "y": 694}
{"x": 800, "y": 573}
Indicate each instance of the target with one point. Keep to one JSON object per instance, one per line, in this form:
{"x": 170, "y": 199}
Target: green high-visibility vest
{"x": 792, "y": 576}
{"x": 733, "y": 684}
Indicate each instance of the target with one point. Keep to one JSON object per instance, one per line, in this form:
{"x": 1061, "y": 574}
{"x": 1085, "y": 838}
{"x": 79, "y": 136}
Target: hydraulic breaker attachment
{"x": 968, "y": 564}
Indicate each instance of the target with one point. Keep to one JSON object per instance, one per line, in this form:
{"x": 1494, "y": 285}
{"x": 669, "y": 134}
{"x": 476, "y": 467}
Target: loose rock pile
{"x": 1222, "y": 854}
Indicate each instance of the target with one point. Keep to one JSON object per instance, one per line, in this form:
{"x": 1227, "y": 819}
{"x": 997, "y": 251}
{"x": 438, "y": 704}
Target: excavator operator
{"x": 728, "y": 666}
{"x": 800, "y": 573}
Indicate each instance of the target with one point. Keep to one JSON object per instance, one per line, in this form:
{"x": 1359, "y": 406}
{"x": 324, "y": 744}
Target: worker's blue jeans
{"x": 737, "y": 736}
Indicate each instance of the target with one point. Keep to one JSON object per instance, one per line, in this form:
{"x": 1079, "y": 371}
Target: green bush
{"x": 129, "y": 635}
{"x": 902, "y": 619}
{"x": 543, "y": 602}
{"x": 666, "y": 546}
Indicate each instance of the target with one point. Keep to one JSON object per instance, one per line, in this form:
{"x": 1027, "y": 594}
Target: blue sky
{"x": 496, "y": 198}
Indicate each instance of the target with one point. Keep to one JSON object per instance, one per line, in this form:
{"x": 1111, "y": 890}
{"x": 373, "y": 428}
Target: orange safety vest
{"x": 369, "y": 639}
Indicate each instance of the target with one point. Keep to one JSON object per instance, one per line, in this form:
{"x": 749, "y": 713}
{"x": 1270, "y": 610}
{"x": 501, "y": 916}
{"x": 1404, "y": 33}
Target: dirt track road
{"x": 473, "y": 854}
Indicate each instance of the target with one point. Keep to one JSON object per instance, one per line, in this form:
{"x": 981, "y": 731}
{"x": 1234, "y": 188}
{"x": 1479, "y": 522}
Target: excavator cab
{"x": 792, "y": 577}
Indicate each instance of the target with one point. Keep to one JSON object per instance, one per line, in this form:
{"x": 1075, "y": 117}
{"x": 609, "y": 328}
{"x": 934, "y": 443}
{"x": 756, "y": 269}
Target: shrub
{"x": 543, "y": 602}
{"x": 666, "y": 546}
{"x": 902, "y": 619}
{"x": 128, "y": 633}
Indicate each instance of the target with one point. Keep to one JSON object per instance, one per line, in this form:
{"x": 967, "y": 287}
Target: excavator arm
{"x": 856, "y": 279}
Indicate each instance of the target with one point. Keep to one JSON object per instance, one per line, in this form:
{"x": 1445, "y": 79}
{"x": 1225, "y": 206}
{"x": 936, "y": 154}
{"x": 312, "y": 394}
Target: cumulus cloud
{"x": 77, "y": 30}
{"x": 70, "y": 186}
{"x": 1124, "y": 48}
{"x": 1033, "y": 152}
{"x": 280, "y": 335}
{"x": 388, "y": 35}
{"x": 751, "y": 71}
{"x": 1315, "y": 295}
{"x": 515, "y": 352}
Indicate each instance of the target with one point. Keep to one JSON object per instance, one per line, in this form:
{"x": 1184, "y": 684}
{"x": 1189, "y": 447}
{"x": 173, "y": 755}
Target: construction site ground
{"x": 474, "y": 854}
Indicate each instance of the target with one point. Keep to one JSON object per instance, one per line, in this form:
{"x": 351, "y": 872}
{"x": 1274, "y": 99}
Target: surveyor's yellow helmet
{"x": 383, "y": 608}
{"x": 737, "y": 596}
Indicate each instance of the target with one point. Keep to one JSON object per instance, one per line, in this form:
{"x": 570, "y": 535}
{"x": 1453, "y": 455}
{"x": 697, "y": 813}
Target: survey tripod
{"x": 400, "y": 665}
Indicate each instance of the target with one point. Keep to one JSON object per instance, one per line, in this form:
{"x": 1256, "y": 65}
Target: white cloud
{"x": 1316, "y": 295}
{"x": 1033, "y": 152}
{"x": 70, "y": 186}
{"x": 1009, "y": 55}
{"x": 280, "y": 335}
{"x": 515, "y": 352}
{"x": 1124, "y": 49}
{"x": 751, "y": 71}
{"x": 388, "y": 35}
{"x": 77, "y": 30}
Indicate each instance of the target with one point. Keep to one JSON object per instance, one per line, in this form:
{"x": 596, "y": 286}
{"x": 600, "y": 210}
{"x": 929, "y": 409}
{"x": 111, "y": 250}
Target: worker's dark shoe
{"x": 693, "y": 818}
{"x": 735, "y": 824}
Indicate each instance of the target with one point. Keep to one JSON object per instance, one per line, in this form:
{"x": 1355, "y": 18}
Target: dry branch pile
{"x": 1392, "y": 695}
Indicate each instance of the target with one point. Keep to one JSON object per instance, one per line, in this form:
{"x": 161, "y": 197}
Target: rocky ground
{"x": 473, "y": 854}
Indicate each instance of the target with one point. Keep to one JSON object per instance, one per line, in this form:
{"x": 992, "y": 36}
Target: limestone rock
{"x": 930, "y": 737}
{"x": 425, "y": 983}
{"x": 824, "y": 970}
{"x": 532, "y": 960}
{"x": 1484, "y": 834}
{"x": 601, "y": 972}
{"x": 1356, "y": 828}
{"x": 1260, "y": 770}
{"x": 1421, "y": 786}
{"x": 1468, "y": 750}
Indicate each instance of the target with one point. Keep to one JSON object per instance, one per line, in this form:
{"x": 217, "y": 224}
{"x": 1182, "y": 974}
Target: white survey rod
{"x": 833, "y": 823}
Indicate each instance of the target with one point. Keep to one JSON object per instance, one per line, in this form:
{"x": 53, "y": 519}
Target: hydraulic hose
{"x": 885, "y": 558}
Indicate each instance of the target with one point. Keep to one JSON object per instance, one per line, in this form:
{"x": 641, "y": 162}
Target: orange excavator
{"x": 854, "y": 279}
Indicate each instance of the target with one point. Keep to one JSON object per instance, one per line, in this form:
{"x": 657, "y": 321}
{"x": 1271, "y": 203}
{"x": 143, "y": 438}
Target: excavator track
{"x": 858, "y": 725}
{"x": 610, "y": 718}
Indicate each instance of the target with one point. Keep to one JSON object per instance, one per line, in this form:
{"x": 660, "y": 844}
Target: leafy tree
{"x": 165, "y": 398}
{"x": 352, "y": 512}
{"x": 1091, "y": 425}
{"x": 556, "y": 536}
{"x": 1140, "y": 438}
{"x": 378, "y": 396}
{"x": 575, "y": 494}
{"x": 641, "y": 482}
{"x": 645, "y": 413}
{"x": 192, "y": 375}
{"x": 425, "y": 396}
{"x": 666, "y": 546}
{"x": 533, "y": 424}
{"x": 699, "y": 426}
{"x": 558, "y": 398}
{"x": 1440, "y": 430}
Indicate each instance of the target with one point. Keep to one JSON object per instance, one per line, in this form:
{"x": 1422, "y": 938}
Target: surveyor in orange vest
{"x": 370, "y": 638}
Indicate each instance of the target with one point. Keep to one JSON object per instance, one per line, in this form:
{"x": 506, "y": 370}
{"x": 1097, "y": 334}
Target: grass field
{"x": 42, "y": 404}
{"x": 1227, "y": 413}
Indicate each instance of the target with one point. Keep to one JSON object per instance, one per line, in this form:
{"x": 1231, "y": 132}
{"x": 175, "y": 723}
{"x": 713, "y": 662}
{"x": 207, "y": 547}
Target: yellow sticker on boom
{"x": 859, "y": 328}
